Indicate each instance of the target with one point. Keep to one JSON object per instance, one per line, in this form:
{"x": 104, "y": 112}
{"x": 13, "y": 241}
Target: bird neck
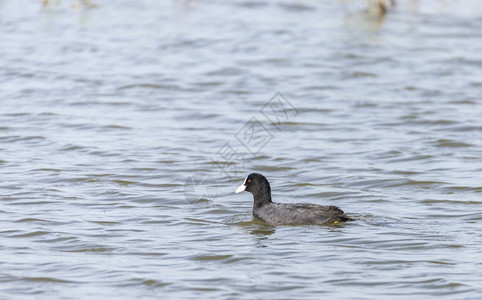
{"x": 262, "y": 197}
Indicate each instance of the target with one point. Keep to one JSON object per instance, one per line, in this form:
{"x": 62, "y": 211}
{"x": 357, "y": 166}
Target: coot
{"x": 284, "y": 213}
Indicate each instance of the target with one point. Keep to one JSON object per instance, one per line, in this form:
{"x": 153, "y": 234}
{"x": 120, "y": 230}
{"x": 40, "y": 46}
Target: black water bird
{"x": 287, "y": 213}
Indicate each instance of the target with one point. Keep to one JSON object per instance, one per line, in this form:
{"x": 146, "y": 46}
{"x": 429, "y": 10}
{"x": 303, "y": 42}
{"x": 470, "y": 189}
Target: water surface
{"x": 123, "y": 135}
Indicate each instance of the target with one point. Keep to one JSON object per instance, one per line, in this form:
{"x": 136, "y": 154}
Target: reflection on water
{"x": 112, "y": 119}
{"x": 258, "y": 228}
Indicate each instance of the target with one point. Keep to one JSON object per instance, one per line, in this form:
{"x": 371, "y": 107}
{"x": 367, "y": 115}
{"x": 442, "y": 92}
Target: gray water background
{"x": 121, "y": 145}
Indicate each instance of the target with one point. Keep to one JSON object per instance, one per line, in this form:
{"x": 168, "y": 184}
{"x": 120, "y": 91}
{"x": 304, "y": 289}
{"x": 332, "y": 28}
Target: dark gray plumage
{"x": 284, "y": 213}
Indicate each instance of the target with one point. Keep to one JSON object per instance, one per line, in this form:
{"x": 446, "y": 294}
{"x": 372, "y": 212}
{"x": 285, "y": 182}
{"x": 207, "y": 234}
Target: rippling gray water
{"x": 125, "y": 129}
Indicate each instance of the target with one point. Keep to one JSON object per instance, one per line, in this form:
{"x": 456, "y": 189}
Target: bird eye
{"x": 249, "y": 180}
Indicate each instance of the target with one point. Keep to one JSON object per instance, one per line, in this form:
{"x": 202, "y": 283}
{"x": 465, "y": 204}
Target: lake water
{"x": 126, "y": 128}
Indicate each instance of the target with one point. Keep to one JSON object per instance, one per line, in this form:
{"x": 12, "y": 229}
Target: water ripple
{"x": 107, "y": 112}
